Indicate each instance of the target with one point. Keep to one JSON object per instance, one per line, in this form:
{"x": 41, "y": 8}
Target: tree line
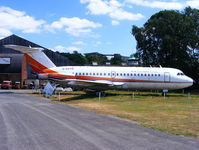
{"x": 88, "y": 59}
{"x": 171, "y": 39}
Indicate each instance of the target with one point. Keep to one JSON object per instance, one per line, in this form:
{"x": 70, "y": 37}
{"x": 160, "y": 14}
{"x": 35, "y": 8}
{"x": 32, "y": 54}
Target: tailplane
{"x": 35, "y": 56}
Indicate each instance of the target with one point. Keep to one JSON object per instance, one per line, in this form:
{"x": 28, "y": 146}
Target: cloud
{"x": 73, "y": 26}
{"x": 60, "y": 48}
{"x": 11, "y": 19}
{"x": 169, "y": 4}
{"x": 97, "y": 7}
{"x": 193, "y": 3}
{"x": 157, "y": 4}
{"x": 5, "y": 32}
{"x": 120, "y": 14}
{"x": 112, "y": 8}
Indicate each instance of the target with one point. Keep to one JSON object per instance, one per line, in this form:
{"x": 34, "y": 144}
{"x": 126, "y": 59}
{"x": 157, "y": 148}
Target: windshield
{"x": 6, "y": 82}
{"x": 180, "y": 74}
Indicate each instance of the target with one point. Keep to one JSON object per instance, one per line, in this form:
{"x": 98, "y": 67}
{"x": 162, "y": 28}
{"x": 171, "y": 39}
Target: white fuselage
{"x": 102, "y": 78}
{"x": 130, "y": 77}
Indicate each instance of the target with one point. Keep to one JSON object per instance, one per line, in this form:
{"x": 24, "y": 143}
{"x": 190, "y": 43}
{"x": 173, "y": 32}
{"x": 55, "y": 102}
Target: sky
{"x": 86, "y": 26}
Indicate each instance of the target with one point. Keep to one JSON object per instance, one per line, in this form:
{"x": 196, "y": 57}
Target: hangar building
{"x": 13, "y": 65}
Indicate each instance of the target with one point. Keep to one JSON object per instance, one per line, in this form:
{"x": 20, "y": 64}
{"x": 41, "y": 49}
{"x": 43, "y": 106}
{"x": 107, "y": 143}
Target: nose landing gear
{"x": 164, "y": 92}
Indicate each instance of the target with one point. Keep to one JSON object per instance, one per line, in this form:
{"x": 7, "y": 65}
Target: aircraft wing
{"x": 95, "y": 82}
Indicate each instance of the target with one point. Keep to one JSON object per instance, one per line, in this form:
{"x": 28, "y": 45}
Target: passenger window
{"x": 120, "y": 74}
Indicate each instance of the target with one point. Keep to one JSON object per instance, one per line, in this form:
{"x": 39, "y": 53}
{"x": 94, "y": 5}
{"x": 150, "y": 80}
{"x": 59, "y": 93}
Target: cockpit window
{"x": 180, "y": 74}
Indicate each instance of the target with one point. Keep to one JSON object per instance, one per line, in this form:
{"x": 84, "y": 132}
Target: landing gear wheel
{"x": 164, "y": 93}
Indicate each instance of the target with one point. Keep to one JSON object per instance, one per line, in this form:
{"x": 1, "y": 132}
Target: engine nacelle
{"x": 43, "y": 76}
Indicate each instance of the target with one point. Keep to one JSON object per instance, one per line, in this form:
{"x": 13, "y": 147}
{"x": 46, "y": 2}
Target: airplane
{"x": 101, "y": 78}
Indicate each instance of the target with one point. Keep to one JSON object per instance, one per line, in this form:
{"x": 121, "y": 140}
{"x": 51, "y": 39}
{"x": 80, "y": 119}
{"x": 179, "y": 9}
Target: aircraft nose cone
{"x": 190, "y": 81}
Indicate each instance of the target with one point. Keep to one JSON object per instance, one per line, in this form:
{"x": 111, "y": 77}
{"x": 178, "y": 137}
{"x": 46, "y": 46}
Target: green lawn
{"x": 177, "y": 114}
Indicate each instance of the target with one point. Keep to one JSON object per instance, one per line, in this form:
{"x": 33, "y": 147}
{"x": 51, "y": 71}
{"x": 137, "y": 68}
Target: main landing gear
{"x": 101, "y": 93}
{"x": 97, "y": 93}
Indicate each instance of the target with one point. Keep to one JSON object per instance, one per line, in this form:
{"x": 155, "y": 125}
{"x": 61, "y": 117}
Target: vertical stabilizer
{"x": 35, "y": 56}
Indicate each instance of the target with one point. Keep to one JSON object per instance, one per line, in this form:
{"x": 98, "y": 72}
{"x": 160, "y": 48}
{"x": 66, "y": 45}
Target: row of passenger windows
{"x": 117, "y": 74}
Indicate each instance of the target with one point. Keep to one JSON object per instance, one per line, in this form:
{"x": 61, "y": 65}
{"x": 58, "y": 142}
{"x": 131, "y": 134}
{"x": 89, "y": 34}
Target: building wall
{"x": 17, "y": 70}
{"x": 15, "y": 63}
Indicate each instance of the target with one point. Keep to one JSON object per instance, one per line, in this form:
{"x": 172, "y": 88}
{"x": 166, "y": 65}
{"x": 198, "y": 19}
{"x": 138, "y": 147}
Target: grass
{"x": 176, "y": 114}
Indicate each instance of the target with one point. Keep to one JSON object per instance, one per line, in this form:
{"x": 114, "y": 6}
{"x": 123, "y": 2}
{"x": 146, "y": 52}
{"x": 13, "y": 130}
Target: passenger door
{"x": 166, "y": 77}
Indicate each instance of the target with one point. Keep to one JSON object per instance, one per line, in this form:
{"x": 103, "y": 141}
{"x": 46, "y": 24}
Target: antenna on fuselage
{"x": 160, "y": 66}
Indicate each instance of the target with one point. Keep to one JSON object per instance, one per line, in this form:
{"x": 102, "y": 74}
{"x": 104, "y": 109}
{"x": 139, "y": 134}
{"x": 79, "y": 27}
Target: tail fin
{"x": 36, "y": 58}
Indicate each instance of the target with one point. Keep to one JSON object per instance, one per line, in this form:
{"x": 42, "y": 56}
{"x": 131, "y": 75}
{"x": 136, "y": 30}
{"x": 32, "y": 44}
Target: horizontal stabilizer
{"x": 24, "y": 49}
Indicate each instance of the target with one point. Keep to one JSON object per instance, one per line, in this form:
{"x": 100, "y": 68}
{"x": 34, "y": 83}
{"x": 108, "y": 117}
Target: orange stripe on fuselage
{"x": 61, "y": 76}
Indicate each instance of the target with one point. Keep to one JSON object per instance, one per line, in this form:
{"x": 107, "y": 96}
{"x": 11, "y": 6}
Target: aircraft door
{"x": 166, "y": 77}
{"x": 113, "y": 74}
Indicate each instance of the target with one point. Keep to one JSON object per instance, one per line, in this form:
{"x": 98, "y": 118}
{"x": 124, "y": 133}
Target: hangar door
{"x": 166, "y": 77}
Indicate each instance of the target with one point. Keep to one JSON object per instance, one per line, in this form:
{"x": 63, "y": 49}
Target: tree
{"x": 170, "y": 38}
{"x": 116, "y": 60}
{"x": 76, "y": 57}
{"x": 96, "y": 57}
{"x": 192, "y": 20}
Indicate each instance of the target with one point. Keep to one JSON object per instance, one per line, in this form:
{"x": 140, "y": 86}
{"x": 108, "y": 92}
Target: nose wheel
{"x": 164, "y": 92}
